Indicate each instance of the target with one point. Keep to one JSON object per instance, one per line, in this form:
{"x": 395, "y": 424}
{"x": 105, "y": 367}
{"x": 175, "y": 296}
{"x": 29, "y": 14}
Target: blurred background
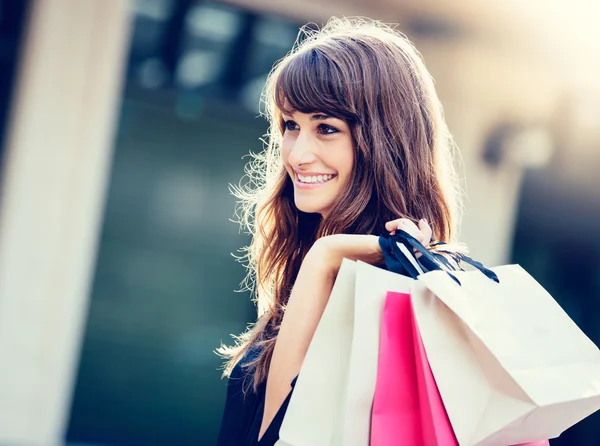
{"x": 122, "y": 123}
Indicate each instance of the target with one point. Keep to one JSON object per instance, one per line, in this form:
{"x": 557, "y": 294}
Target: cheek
{"x": 350, "y": 163}
{"x": 348, "y": 160}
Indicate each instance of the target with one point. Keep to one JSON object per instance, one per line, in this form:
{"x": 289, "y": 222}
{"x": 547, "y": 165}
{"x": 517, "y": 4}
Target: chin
{"x": 311, "y": 208}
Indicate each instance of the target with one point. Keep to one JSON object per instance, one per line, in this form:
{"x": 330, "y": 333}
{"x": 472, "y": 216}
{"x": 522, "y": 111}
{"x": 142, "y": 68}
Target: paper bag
{"x": 407, "y": 408}
{"x": 333, "y": 396}
{"x": 510, "y": 365}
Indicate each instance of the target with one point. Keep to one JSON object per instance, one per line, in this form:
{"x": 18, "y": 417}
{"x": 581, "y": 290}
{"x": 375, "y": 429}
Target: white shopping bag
{"x": 333, "y": 396}
{"x": 372, "y": 285}
{"x": 510, "y": 365}
{"x": 317, "y": 400}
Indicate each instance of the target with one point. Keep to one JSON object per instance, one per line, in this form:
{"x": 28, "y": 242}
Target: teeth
{"x": 315, "y": 179}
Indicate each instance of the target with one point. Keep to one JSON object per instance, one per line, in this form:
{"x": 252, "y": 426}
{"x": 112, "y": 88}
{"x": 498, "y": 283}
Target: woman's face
{"x": 318, "y": 155}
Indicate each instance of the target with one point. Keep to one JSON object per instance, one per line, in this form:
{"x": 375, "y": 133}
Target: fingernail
{"x": 425, "y": 220}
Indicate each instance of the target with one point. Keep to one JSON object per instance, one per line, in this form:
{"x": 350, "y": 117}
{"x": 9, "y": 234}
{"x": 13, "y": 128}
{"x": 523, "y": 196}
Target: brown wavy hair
{"x": 371, "y": 76}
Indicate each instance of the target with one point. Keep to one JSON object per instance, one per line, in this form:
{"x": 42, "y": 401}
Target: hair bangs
{"x": 310, "y": 82}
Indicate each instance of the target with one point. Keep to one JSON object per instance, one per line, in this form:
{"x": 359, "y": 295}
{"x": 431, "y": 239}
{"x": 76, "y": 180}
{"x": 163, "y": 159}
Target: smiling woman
{"x": 357, "y": 146}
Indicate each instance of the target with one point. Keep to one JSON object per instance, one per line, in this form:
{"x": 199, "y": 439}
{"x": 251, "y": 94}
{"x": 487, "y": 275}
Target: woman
{"x": 357, "y": 146}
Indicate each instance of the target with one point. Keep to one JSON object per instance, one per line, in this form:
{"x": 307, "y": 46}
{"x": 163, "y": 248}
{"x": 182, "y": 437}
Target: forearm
{"x": 305, "y": 306}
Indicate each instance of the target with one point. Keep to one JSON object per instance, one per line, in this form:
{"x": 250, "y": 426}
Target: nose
{"x": 302, "y": 151}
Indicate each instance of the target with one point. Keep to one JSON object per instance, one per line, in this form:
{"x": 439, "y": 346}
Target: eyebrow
{"x": 320, "y": 117}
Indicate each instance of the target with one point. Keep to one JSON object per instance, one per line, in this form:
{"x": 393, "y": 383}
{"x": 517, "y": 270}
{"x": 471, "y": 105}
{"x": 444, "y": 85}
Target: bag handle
{"x": 397, "y": 261}
{"x": 458, "y": 256}
{"x": 427, "y": 261}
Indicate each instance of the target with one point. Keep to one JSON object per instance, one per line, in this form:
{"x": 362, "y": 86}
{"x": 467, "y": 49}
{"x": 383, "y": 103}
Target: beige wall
{"x": 55, "y": 171}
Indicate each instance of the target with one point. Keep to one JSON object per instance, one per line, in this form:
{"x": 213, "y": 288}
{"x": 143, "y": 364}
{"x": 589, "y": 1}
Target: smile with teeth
{"x": 315, "y": 179}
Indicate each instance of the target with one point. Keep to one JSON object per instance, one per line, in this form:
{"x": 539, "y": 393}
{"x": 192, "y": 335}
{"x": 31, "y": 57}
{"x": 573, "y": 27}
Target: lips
{"x": 306, "y": 174}
{"x": 315, "y": 178}
{"x": 312, "y": 185}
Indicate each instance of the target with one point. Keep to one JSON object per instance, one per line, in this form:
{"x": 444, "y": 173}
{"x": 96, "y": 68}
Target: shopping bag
{"x": 506, "y": 351}
{"x": 317, "y": 401}
{"x": 407, "y": 407}
{"x": 333, "y": 396}
{"x": 371, "y": 287}
{"x": 510, "y": 365}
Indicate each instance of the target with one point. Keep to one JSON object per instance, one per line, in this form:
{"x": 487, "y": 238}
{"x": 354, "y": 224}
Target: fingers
{"x": 422, "y": 232}
{"x": 426, "y": 230}
{"x": 400, "y": 223}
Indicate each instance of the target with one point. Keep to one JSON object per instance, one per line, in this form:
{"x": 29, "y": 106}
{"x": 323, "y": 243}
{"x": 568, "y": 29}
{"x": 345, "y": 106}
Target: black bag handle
{"x": 397, "y": 262}
{"x": 460, "y": 257}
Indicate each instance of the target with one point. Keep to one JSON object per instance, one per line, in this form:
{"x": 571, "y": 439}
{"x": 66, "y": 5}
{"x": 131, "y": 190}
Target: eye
{"x": 290, "y": 125}
{"x": 325, "y": 129}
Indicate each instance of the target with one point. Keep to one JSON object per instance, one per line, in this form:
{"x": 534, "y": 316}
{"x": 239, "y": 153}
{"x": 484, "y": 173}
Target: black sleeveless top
{"x": 244, "y": 409}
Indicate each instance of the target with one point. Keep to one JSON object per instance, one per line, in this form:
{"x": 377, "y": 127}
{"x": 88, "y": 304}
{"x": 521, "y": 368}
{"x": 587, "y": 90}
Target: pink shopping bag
{"x": 407, "y": 407}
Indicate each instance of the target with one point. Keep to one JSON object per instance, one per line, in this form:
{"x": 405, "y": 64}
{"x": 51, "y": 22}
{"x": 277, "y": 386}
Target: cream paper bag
{"x": 333, "y": 395}
{"x": 317, "y": 401}
{"x": 372, "y": 285}
{"x": 509, "y": 363}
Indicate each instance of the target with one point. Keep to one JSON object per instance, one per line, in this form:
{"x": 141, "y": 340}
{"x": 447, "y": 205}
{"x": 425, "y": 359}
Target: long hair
{"x": 371, "y": 76}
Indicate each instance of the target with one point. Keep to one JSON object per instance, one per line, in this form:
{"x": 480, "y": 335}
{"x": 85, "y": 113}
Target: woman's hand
{"x": 422, "y": 232}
